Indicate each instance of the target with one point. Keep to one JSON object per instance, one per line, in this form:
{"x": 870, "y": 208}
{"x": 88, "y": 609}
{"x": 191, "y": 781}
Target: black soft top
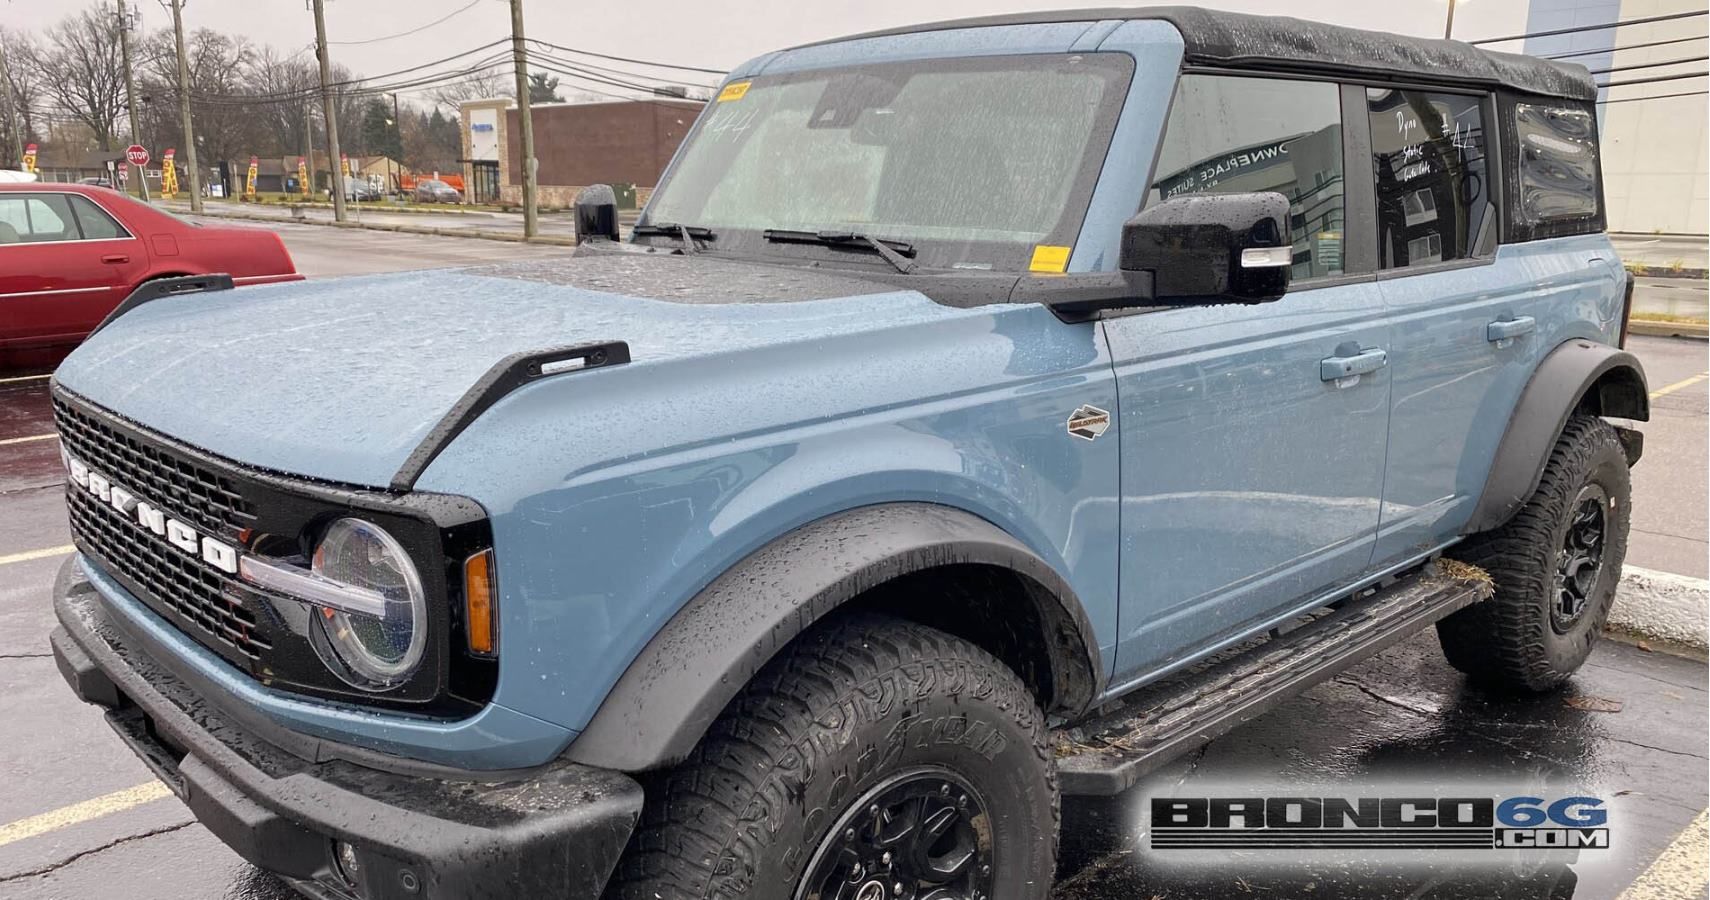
{"x": 1239, "y": 40}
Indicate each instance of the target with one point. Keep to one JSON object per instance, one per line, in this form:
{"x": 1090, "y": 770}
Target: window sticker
{"x": 1047, "y": 258}
{"x": 734, "y": 91}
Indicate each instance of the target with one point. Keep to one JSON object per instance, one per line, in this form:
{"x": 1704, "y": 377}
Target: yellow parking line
{"x": 1679, "y": 870}
{"x": 28, "y": 439}
{"x": 1683, "y": 383}
{"x": 77, "y": 813}
{"x": 43, "y": 553}
{"x": 23, "y": 378}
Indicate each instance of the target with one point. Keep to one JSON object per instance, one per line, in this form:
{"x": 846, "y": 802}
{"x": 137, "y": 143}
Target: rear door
{"x": 1470, "y": 324}
{"x": 1251, "y": 478}
{"x": 64, "y": 264}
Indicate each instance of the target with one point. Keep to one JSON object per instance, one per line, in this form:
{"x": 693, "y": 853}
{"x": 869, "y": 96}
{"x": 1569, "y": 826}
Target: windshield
{"x": 973, "y": 161}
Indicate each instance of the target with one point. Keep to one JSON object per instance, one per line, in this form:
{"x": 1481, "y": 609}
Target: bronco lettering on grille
{"x": 140, "y": 512}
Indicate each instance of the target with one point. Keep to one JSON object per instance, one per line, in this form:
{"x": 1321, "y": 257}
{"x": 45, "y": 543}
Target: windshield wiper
{"x": 894, "y": 252}
{"x": 687, "y": 234}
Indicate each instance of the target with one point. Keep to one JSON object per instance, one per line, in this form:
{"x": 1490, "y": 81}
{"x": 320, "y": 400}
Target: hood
{"x": 341, "y": 379}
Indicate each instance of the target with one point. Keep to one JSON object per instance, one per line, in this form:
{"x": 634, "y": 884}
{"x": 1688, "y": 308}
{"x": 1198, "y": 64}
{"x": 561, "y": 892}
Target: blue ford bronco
{"x": 978, "y": 413}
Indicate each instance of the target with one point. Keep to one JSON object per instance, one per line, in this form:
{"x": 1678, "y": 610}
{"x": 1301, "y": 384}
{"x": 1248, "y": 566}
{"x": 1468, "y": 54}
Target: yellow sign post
{"x": 303, "y": 176}
{"x": 168, "y": 174}
{"x": 30, "y": 158}
{"x": 249, "y": 186}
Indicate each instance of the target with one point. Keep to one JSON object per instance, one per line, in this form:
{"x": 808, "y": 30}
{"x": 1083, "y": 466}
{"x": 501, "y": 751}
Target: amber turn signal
{"x": 479, "y": 602}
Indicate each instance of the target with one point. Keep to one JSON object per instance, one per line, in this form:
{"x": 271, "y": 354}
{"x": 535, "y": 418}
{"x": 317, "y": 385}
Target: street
{"x": 79, "y": 815}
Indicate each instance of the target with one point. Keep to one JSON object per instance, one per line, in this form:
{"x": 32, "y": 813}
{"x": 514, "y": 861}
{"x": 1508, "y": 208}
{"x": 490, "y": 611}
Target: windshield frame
{"x": 932, "y": 253}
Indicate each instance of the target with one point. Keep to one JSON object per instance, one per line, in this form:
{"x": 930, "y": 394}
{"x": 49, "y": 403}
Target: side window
{"x": 35, "y": 218}
{"x": 1229, "y": 134}
{"x": 97, "y": 224}
{"x": 1557, "y": 166}
{"x": 1433, "y": 185}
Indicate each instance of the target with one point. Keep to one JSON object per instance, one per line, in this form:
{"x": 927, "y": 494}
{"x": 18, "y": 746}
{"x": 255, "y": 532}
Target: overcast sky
{"x": 711, "y": 33}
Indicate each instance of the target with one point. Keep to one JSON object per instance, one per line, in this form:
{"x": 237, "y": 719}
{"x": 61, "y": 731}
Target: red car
{"x": 70, "y": 252}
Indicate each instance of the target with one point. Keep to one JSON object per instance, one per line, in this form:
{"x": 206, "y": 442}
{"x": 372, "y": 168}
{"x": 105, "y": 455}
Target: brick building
{"x": 576, "y": 144}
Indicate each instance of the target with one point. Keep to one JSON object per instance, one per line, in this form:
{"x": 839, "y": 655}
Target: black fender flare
{"x": 694, "y": 666}
{"x": 1605, "y": 380}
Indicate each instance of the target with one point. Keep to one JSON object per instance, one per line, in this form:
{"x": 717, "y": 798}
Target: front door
{"x": 1253, "y": 437}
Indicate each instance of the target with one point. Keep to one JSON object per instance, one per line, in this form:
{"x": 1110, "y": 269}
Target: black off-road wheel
{"x": 1556, "y": 565}
{"x": 875, "y": 759}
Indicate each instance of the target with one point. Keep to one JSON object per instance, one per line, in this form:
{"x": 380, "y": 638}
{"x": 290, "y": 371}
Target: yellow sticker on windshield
{"x": 1047, "y": 258}
{"x": 734, "y": 91}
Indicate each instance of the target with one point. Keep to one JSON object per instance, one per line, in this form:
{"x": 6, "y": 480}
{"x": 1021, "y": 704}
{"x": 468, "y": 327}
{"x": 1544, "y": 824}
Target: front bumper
{"x": 556, "y": 832}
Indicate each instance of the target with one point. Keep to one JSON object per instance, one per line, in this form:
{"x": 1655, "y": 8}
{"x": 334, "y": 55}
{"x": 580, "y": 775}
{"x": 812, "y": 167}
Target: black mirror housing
{"x": 596, "y": 214}
{"x": 1208, "y": 249}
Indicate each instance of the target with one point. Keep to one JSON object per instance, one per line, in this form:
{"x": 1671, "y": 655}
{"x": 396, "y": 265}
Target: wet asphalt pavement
{"x": 1631, "y": 727}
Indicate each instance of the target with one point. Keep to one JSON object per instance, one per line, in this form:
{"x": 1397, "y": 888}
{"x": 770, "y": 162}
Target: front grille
{"x": 206, "y": 603}
{"x": 172, "y": 583}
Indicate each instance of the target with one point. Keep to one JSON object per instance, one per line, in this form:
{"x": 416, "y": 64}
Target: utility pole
{"x": 13, "y": 124}
{"x": 397, "y": 129}
{"x": 137, "y": 172}
{"x": 329, "y": 112}
{"x": 1449, "y": 26}
{"x": 190, "y": 166}
{"x": 520, "y": 54}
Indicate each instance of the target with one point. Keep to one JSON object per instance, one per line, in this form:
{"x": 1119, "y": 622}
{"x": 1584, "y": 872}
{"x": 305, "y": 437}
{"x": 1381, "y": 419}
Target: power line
{"x": 1654, "y": 97}
{"x": 311, "y": 91}
{"x": 638, "y": 62}
{"x": 1610, "y": 84}
{"x": 445, "y": 18}
{"x": 1583, "y": 28}
{"x": 563, "y": 68}
{"x": 1696, "y": 37}
{"x": 365, "y": 90}
{"x": 626, "y": 73}
{"x": 1652, "y": 65}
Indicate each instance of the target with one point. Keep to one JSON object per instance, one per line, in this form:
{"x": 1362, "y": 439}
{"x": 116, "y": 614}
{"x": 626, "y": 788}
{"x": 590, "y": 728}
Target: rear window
{"x": 36, "y": 218}
{"x": 1557, "y": 163}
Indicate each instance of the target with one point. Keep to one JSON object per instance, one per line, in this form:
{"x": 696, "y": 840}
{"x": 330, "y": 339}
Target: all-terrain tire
{"x": 1512, "y": 640}
{"x": 859, "y": 704}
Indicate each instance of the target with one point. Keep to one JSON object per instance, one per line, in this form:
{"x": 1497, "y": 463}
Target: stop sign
{"x": 136, "y": 155}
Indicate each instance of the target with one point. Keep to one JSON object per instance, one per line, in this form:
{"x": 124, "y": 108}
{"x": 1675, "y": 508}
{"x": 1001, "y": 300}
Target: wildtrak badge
{"x": 142, "y": 513}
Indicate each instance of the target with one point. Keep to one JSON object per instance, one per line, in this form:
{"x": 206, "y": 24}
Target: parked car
{"x": 358, "y": 191}
{"x": 96, "y": 181}
{"x": 429, "y": 190}
{"x": 760, "y": 554}
{"x": 70, "y": 253}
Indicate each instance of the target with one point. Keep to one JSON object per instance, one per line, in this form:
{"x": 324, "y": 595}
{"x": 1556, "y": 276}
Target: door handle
{"x": 116, "y": 258}
{"x": 1364, "y": 362}
{"x": 1509, "y": 329}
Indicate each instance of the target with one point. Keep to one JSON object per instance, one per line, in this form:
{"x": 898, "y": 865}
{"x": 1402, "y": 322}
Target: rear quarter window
{"x": 1557, "y": 161}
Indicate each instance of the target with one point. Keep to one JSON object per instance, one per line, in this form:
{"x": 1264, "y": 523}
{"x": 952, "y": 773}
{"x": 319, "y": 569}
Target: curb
{"x": 1640, "y": 270}
{"x": 1658, "y": 328}
{"x": 238, "y": 208}
{"x": 1662, "y": 605}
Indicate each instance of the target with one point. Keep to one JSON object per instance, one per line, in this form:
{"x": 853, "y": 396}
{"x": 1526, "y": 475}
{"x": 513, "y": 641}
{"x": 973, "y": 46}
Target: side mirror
{"x": 596, "y": 214}
{"x": 1206, "y": 249}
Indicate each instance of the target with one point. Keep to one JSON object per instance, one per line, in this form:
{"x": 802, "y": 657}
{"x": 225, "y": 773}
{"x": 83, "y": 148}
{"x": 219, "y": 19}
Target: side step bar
{"x": 1108, "y": 754}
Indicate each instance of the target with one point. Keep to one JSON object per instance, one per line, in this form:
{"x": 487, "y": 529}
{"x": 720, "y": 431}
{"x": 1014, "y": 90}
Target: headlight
{"x": 378, "y": 648}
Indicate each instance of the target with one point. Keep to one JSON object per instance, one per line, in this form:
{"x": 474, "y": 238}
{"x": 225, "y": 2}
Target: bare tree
{"x": 294, "y": 78}
{"x": 81, "y": 74}
{"x": 228, "y": 125}
{"x": 24, "y": 85}
{"x": 476, "y": 86}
